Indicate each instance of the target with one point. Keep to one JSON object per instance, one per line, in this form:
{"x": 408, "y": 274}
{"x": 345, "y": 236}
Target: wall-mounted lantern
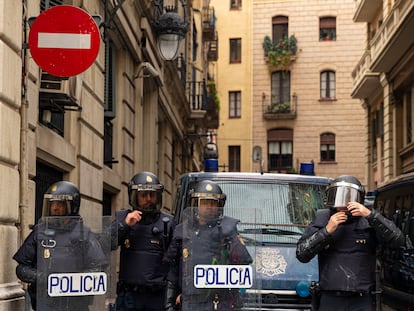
{"x": 170, "y": 28}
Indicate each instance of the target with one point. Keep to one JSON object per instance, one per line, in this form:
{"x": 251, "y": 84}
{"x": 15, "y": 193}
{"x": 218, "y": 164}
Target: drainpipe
{"x": 24, "y": 127}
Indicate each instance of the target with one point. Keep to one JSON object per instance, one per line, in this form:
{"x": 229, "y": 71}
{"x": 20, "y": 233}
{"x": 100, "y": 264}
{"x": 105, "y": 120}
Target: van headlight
{"x": 303, "y": 289}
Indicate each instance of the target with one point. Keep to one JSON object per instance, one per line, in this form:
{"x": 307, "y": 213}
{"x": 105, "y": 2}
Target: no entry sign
{"x": 64, "y": 40}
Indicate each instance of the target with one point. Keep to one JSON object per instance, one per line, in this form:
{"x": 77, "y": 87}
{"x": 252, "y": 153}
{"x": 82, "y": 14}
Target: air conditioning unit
{"x": 60, "y": 91}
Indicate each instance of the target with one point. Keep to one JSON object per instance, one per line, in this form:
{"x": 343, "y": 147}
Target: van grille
{"x": 273, "y": 301}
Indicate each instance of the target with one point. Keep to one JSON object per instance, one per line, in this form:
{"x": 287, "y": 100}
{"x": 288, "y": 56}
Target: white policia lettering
{"x": 223, "y": 276}
{"x": 77, "y": 284}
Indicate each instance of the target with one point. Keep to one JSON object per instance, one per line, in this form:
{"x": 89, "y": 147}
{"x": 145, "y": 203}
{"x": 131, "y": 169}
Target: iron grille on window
{"x": 46, "y": 4}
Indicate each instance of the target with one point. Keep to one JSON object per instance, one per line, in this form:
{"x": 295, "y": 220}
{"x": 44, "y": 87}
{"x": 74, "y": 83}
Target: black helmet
{"x": 342, "y": 190}
{"x": 208, "y": 190}
{"x": 62, "y": 191}
{"x": 145, "y": 181}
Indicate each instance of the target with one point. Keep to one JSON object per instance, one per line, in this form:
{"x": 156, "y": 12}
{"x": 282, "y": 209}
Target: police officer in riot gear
{"x": 345, "y": 237}
{"x": 62, "y": 229}
{"x": 143, "y": 234}
{"x": 205, "y": 237}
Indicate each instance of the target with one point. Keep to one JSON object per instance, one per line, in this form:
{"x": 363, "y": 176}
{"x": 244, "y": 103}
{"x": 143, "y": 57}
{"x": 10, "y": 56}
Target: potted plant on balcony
{"x": 212, "y": 94}
{"x": 279, "y": 107}
{"x": 280, "y": 54}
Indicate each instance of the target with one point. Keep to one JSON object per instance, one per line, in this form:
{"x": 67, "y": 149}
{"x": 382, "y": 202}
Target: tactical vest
{"x": 142, "y": 251}
{"x": 348, "y": 262}
{"x": 208, "y": 245}
{"x": 64, "y": 248}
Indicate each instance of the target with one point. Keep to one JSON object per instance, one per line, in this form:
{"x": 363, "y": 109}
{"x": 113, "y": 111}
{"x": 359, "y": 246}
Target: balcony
{"x": 197, "y": 98}
{"x": 365, "y": 82}
{"x": 212, "y": 50}
{"x": 394, "y": 37}
{"x": 366, "y": 10}
{"x": 213, "y": 106}
{"x": 204, "y": 103}
{"x": 280, "y": 110}
{"x": 209, "y": 24}
{"x": 280, "y": 55}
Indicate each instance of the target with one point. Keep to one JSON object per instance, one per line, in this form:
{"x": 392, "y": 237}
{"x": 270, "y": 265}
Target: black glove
{"x": 26, "y": 273}
{"x": 170, "y": 297}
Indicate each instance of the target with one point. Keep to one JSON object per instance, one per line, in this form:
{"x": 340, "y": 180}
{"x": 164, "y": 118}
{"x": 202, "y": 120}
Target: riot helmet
{"x": 343, "y": 190}
{"x": 61, "y": 199}
{"x": 145, "y": 184}
{"x": 208, "y": 201}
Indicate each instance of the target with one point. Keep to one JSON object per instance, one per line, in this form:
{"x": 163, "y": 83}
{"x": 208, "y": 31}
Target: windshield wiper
{"x": 274, "y": 231}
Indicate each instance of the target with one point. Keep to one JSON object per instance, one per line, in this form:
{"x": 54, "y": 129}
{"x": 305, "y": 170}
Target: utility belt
{"x": 139, "y": 289}
{"x": 344, "y": 293}
{"x": 229, "y": 299}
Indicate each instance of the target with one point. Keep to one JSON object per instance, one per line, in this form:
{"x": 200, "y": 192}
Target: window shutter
{"x": 327, "y": 139}
{"x": 328, "y": 22}
{"x": 277, "y": 20}
{"x": 280, "y": 135}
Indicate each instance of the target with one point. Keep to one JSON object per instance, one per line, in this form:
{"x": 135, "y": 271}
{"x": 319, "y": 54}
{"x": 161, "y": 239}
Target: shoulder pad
{"x": 229, "y": 225}
{"x": 322, "y": 217}
{"x": 120, "y": 215}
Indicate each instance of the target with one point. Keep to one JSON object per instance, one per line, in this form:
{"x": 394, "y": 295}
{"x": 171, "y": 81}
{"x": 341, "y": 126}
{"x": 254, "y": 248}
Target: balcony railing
{"x": 383, "y": 52}
{"x": 364, "y": 80}
{"x": 280, "y": 110}
{"x": 209, "y": 23}
{"x": 212, "y": 52}
{"x": 197, "y": 94}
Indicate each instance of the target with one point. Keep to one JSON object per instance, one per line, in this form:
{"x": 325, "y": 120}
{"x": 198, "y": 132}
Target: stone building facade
{"x": 383, "y": 81}
{"x": 295, "y": 108}
{"x": 96, "y": 129}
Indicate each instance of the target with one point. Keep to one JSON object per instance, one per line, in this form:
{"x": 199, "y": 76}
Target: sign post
{"x": 64, "y": 40}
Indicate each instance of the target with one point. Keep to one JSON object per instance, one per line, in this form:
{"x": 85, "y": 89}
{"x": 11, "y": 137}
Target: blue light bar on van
{"x": 303, "y": 289}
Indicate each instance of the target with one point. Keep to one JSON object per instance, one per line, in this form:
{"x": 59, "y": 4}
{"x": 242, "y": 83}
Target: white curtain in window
{"x": 286, "y": 147}
{"x": 274, "y": 147}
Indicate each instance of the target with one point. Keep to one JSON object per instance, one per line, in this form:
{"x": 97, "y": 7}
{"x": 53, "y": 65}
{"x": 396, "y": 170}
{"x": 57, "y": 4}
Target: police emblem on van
{"x": 269, "y": 261}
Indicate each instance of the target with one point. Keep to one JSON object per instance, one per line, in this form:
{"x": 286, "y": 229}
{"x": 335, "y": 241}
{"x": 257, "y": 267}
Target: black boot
{"x": 170, "y": 297}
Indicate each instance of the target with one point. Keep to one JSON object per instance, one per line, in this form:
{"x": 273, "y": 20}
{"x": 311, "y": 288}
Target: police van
{"x": 395, "y": 200}
{"x": 274, "y": 210}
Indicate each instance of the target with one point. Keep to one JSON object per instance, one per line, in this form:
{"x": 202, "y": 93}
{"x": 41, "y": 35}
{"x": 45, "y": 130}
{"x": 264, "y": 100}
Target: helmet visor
{"x": 340, "y": 194}
{"x": 146, "y": 199}
{"x": 57, "y": 205}
{"x": 208, "y": 208}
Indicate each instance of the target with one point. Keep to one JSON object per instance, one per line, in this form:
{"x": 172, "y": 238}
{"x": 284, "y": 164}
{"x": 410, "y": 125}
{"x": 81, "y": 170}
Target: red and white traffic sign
{"x": 64, "y": 40}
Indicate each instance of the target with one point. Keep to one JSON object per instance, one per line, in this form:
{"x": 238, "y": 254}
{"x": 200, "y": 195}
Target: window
{"x": 108, "y": 142}
{"x": 280, "y": 91}
{"x": 328, "y": 85}
{"x": 235, "y": 4}
{"x": 235, "y": 51}
{"x": 327, "y": 29}
{"x": 45, "y": 176}
{"x": 107, "y": 203}
{"x": 409, "y": 119}
{"x": 46, "y": 4}
{"x": 280, "y": 28}
{"x": 280, "y": 150}
{"x": 234, "y": 158}
{"x": 378, "y": 133}
{"x": 235, "y": 104}
{"x": 110, "y": 83}
{"x": 327, "y": 142}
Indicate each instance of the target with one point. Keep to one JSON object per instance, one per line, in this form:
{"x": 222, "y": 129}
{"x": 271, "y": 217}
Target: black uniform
{"x": 347, "y": 258}
{"x": 70, "y": 247}
{"x": 215, "y": 243}
{"x": 142, "y": 274}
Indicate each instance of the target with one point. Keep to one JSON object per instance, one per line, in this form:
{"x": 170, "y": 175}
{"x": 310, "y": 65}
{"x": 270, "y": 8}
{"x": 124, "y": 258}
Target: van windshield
{"x": 281, "y": 211}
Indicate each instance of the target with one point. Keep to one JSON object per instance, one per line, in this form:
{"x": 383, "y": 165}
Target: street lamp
{"x": 170, "y": 28}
